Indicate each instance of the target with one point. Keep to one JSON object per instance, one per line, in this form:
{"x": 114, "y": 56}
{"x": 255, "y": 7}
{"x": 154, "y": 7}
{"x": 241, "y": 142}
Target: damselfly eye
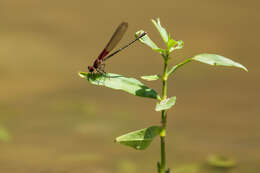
{"x": 90, "y": 69}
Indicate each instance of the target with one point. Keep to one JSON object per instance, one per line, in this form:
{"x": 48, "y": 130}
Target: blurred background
{"x": 51, "y": 121}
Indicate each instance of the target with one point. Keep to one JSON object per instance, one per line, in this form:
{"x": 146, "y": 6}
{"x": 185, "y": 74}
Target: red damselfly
{"x": 98, "y": 64}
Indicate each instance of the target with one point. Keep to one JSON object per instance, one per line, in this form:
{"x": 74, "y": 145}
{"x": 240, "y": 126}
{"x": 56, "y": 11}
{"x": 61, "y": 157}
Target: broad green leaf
{"x": 161, "y": 30}
{"x": 139, "y": 139}
{"x": 151, "y": 77}
{"x": 4, "y": 136}
{"x": 165, "y": 104}
{"x": 147, "y": 41}
{"x": 213, "y": 59}
{"x": 119, "y": 82}
{"x": 179, "y": 45}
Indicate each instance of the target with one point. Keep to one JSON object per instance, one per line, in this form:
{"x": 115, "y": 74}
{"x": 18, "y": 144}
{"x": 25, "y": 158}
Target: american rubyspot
{"x": 116, "y": 37}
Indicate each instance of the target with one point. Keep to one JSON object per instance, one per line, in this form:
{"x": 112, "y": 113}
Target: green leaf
{"x": 161, "y": 30}
{"x": 119, "y": 82}
{"x": 165, "y": 104}
{"x": 147, "y": 41}
{"x": 171, "y": 43}
{"x": 151, "y": 77}
{"x": 213, "y": 59}
{"x": 139, "y": 139}
{"x": 179, "y": 45}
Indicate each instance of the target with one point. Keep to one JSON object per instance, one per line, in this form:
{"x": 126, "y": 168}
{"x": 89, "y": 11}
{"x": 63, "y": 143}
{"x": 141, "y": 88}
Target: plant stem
{"x": 163, "y": 130}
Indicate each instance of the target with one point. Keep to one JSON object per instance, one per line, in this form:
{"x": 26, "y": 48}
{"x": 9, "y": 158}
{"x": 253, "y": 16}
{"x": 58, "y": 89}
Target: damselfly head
{"x": 91, "y": 69}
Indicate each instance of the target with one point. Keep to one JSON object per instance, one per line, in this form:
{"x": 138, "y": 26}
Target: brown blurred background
{"x": 59, "y": 123}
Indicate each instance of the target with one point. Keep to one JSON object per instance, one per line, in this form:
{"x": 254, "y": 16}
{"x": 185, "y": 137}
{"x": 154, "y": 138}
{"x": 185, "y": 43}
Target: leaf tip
{"x": 153, "y": 20}
{"x": 82, "y": 74}
{"x": 244, "y": 68}
{"x": 156, "y": 21}
{"x": 139, "y": 33}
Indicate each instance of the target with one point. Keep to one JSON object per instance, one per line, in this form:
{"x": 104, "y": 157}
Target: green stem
{"x": 174, "y": 68}
{"x": 163, "y": 130}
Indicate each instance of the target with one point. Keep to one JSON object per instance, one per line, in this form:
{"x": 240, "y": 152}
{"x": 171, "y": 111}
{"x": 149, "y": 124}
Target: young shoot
{"x": 141, "y": 139}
